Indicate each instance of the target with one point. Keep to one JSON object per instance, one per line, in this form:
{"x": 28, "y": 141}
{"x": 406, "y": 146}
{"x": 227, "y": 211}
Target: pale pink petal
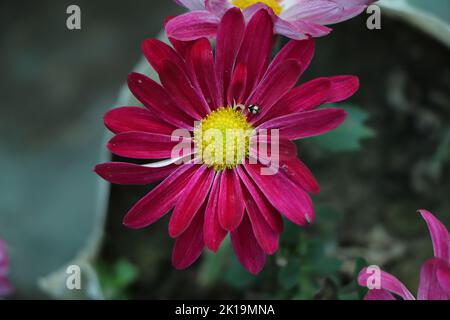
{"x": 268, "y": 212}
{"x": 310, "y": 10}
{"x": 191, "y": 200}
{"x": 287, "y": 197}
{"x": 306, "y": 124}
{"x": 161, "y": 199}
{"x": 126, "y": 119}
{"x": 193, "y": 25}
{"x": 439, "y": 235}
{"x": 132, "y": 174}
{"x": 387, "y": 282}
{"x": 192, "y": 4}
{"x": 229, "y": 38}
{"x": 189, "y": 246}
{"x": 213, "y": 231}
{"x": 230, "y": 205}
{"x": 298, "y": 30}
{"x": 379, "y": 294}
{"x": 430, "y": 287}
{"x": 288, "y": 30}
{"x": 247, "y": 249}
{"x": 218, "y": 7}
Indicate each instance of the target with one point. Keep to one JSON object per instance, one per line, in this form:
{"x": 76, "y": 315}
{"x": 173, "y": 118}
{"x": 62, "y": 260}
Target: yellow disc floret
{"x": 222, "y": 139}
{"x": 274, "y": 4}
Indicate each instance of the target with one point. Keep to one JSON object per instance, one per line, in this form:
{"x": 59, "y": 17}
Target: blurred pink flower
{"x": 434, "y": 276}
{"x": 200, "y": 85}
{"x": 5, "y": 286}
{"x": 295, "y": 19}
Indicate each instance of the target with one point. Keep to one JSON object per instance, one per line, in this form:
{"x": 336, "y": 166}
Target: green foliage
{"x": 115, "y": 279}
{"x": 348, "y": 136}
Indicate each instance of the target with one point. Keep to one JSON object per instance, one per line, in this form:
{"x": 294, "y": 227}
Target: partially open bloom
{"x": 5, "y": 286}
{"x": 434, "y": 276}
{"x": 237, "y": 88}
{"x": 295, "y": 19}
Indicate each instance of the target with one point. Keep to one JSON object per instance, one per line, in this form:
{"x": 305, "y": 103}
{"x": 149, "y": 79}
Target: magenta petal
{"x": 439, "y": 235}
{"x": 247, "y": 249}
{"x": 443, "y": 276}
{"x": 379, "y": 294}
{"x": 193, "y": 25}
{"x": 191, "y": 200}
{"x": 256, "y": 48}
{"x": 275, "y": 84}
{"x": 132, "y": 174}
{"x": 189, "y": 246}
{"x": 160, "y": 200}
{"x": 298, "y": 172}
{"x": 229, "y": 39}
{"x": 306, "y": 124}
{"x": 141, "y": 145}
{"x": 213, "y": 232}
{"x": 201, "y": 65}
{"x": 4, "y": 260}
{"x": 230, "y": 204}
{"x": 287, "y": 197}
{"x": 236, "y": 90}
{"x": 267, "y": 238}
{"x": 157, "y": 51}
{"x": 182, "y": 92}
{"x": 387, "y": 282}
{"x": 342, "y": 88}
{"x": 430, "y": 287}
{"x": 126, "y": 119}
{"x": 156, "y": 99}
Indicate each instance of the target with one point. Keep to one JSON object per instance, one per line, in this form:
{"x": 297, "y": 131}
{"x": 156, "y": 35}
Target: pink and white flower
{"x": 295, "y": 19}
{"x": 210, "y": 199}
{"x": 434, "y": 276}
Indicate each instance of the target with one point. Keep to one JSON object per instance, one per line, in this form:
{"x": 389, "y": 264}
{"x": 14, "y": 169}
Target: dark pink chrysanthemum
{"x": 295, "y": 19}
{"x": 5, "y": 286}
{"x": 434, "y": 276}
{"x": 209, "y": 199}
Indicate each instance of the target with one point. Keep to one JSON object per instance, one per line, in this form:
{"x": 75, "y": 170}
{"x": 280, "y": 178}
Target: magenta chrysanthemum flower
{"x": 295, "y": 19}
{"x": 434, "y": 276}
{"x": 5, "y": 286}
{"x": 235, "y": 89}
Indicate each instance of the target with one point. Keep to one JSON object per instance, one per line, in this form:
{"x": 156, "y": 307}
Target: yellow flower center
{"x": 222, "y": 139}
{"x": 274, "y": 4}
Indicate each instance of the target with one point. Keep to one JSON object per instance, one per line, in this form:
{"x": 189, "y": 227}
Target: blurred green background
{"x": 389, "y": 159}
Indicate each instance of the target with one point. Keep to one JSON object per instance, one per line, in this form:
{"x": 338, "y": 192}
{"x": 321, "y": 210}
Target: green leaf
{"x": 116, "y": 278}
{"x": 289, "y": 274}
{"x": 348, "y": 136}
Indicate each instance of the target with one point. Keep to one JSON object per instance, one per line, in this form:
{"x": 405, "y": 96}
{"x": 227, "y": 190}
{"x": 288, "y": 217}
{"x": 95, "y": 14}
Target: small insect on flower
{"x": 254, "y": 109}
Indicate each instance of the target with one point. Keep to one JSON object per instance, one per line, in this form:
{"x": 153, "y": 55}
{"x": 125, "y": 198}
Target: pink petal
{"x": 342, "y": 88}
{"x": 379, "y": 294}
{"x": 141, "y": 145}
{"x": 191, "y": 200}
{"x": 192, "y": 4}
{"x": 156, "y": 99}
{"x": 443, "y": 276}
{"x": 288, "y": 30}
{"x": 189, "y": 246}
{"x": 430, "y": 287}
{"x": 229, "y": 39}
{"x": 301, "y": 51}
{"x": 310, "y": 10}
{"x": 218, "y": 7}
{"x": 236, "y": 90}
{"x": 306, "y": 124}
{"x": 161, "y": 199}
{"x": 439, "y": 235}
{"x": 276, "y": 83}
{"x": 5, "y": 287}
{"x": 299, "y": 30}
{"x": 200, "y": 62}
{"x": 287, "y": 197}
{"x": 4, "y": 260}
{"x": 269, "y": 213}
{"x": 126, "y": 119}
{"x": 387, "y": 282}
{"x": 179, "y": 87}
{"x": 213, "y": 232}
{"x": 247, "y": 249}
{"x": 132, "y": 174}
{"x": 157, "y": 52}
{"x": 230, "y": 205}
{"x": 193, "y": 25}
{"x": 299, "y": 173}
{"x": 256, "y": 48}
{"x": 267, "y": 238}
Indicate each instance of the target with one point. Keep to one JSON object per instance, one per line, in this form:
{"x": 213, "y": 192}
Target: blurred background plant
{"x": 390, "y": 158}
